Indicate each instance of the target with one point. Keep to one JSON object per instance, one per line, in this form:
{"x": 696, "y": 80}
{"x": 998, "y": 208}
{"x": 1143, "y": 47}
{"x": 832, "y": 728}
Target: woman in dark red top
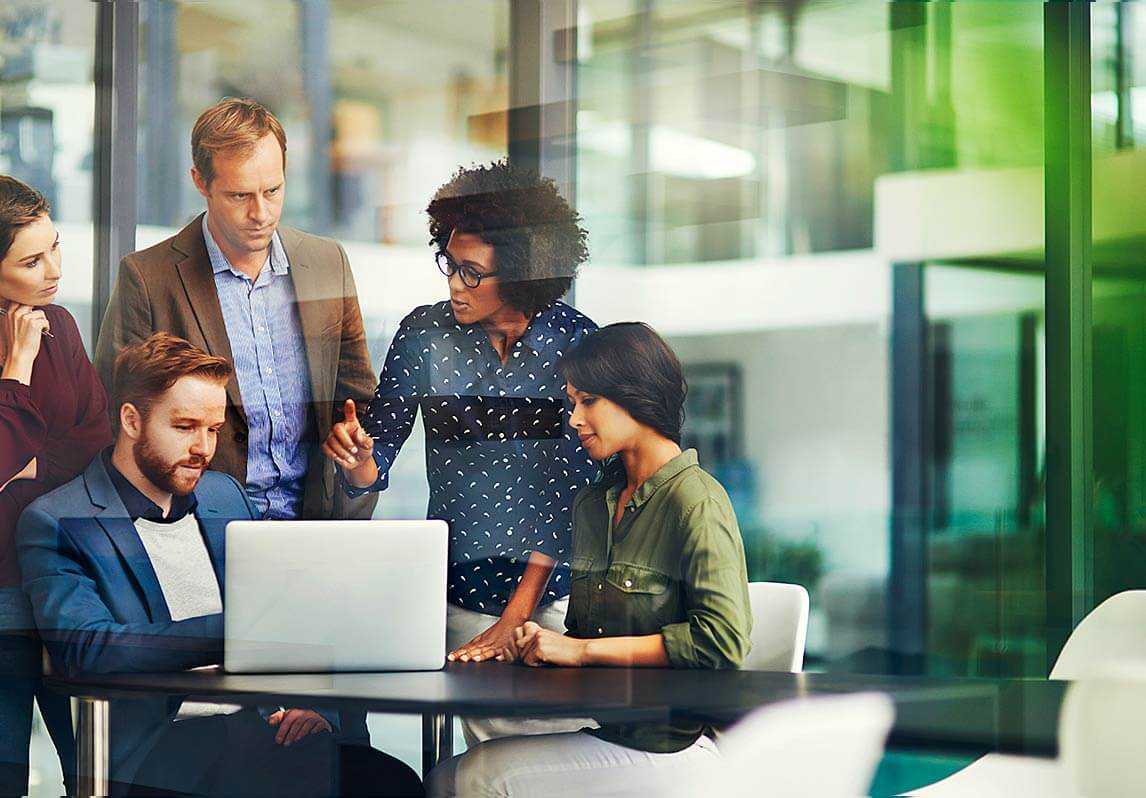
{"x": 53, "y": 421}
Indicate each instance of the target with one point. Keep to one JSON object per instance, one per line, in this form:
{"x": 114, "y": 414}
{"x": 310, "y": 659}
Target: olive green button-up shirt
{"x": 674, "y": 566}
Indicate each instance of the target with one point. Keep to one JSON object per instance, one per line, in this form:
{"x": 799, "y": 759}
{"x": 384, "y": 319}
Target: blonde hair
{"x": 231, "y": 125}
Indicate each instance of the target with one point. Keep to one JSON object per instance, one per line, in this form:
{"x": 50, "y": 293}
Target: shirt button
{"x": 628, "y": 583}
{"x": 270, "y": 371}
{"x": 600, "y": 586}
{"x": 600, "y": 630}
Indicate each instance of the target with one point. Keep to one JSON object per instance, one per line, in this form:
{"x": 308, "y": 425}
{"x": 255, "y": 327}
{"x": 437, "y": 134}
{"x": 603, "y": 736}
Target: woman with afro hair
{"x": 503, "y": 465}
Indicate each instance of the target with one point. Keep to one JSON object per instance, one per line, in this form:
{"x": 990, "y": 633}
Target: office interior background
{"x": 898, "y": 247}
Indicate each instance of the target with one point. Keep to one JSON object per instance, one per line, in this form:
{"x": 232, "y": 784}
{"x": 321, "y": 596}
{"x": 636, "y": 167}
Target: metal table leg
{"x": 437, "y": 739}
{"x": 92, "y": 747}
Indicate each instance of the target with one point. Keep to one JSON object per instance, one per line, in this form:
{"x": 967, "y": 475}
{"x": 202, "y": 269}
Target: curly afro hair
{"x": 537, "y": 238}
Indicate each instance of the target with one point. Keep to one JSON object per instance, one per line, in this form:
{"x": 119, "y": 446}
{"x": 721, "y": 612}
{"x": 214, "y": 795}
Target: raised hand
{"x": 349, "y": 446}
{"x": 22, "y": 329}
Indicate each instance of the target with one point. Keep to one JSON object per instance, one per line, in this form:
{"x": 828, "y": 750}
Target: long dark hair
{"x": 632, "y": 366}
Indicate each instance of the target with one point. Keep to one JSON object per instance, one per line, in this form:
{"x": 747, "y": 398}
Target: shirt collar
{"x": 540, "y": 333}
{"x": 541, "y": 330}
{"x": 138, "y": 505}
{"x": 279, "y": 263}
{"x": 662, "y": 476}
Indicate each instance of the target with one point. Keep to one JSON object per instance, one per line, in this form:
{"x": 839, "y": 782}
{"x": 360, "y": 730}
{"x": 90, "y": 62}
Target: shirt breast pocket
{"x": 643, "y": 599}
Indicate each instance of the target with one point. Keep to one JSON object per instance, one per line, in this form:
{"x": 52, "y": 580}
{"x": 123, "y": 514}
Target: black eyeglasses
{"x": 449, "y": 267}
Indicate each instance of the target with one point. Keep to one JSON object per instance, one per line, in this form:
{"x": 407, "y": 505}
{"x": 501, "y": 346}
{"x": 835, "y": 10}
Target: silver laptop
{"x": 321, "y": 596}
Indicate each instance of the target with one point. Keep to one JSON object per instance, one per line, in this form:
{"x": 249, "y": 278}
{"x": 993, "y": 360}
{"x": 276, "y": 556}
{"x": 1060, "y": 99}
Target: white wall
{"x": 816, "y": 429}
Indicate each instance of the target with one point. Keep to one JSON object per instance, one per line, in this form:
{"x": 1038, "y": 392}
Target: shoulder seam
{"x": 686, "y": 510}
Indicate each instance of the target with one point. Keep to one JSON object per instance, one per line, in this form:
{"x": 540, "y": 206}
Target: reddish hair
{"x": 144, "y": 371}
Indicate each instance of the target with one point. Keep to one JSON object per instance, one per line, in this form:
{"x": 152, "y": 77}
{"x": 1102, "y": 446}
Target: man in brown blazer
{"x": 279, "y": 303}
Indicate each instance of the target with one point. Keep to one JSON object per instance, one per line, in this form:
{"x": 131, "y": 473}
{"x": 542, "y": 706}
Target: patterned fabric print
{"x": 269, "y": 352}
{"x": 493, "y": 418}
{"x": 502, "y": 464}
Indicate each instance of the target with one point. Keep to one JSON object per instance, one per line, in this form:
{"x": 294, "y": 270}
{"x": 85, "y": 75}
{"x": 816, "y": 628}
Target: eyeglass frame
{"x": 451, "y": 267}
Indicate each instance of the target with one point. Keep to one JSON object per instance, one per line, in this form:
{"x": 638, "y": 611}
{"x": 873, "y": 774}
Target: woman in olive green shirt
{"x": 658, "y": 581}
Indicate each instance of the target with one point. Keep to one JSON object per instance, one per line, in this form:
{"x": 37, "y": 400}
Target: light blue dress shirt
{"x": 269, "y": 352}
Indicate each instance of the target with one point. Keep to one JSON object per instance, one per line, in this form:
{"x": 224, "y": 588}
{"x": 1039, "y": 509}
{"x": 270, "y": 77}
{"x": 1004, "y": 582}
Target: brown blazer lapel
{"x": 318, "y": 291}
{"x": 203, "y": 299}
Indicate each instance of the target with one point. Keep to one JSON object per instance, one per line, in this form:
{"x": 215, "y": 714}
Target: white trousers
{"x": 570, "y": 764}
{"x": 464, "y": 625}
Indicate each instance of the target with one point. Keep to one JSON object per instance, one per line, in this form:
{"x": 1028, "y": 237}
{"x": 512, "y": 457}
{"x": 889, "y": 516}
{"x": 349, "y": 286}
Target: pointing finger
{"x": 363, "y": 440}
{"x": 343, "y": 435}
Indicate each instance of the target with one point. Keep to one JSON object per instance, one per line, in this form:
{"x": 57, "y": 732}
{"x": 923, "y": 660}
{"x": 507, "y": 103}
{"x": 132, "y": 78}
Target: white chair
{"x": 814, "y": 746}
{"x": 1101, "y": 745}
{"x": 779, "y": 627}
{"x": 1110, "y": 640}
{"x": 779, "y": 630}
{"x": 1002, "y": 776}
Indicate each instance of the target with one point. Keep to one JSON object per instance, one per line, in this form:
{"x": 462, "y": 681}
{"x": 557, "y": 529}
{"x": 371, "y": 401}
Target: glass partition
{"x": 833, "y": 211}
{"x": 835, "y": 214}
{"x": 380, "y": 103}
{"x": 1118, "y": 106}
{"x": 47, "y": 109}
{"x": 47, "y": 112}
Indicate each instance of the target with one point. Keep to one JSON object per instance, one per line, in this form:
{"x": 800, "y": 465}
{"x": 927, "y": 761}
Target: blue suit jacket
{"x": 98, "y": 602}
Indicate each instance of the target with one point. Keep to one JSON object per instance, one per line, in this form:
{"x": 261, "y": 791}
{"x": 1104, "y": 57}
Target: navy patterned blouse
{"x": 502, "y": 463}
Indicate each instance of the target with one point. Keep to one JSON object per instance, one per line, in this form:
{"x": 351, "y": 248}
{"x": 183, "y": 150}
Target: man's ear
{"x": 200, "y": 184}
{"x": 130, "y": 420}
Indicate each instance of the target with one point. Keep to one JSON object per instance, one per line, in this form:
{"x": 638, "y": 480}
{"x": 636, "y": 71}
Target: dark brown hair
{"x": 537, "y": 238}
{"x": 144, "y": 371}
{"x": 632, "y": 366}
{"x": 20, "y": 205}
{"x": 231, "y": 125}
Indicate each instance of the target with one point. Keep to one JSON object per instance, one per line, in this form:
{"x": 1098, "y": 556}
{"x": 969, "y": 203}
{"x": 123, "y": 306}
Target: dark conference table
{"x": 953, "y": 715}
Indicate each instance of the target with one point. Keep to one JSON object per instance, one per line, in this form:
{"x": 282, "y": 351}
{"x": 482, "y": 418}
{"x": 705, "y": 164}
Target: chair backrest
{"x": 812, "y": 746}
{"x": 779, "y": 627}
{"x": 1110, "y": 638}
{"x": 1101, "y": 744}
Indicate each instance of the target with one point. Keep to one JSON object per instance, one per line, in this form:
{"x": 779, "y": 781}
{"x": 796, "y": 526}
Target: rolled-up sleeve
{"x": 718, "y": 629}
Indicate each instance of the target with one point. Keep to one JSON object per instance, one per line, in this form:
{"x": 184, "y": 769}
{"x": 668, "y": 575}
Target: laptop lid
{"x": 319, "y": 596}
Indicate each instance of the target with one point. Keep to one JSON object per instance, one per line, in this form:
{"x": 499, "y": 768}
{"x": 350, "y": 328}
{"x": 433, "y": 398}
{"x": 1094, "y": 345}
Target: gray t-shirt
{"x": 183, "y": 567}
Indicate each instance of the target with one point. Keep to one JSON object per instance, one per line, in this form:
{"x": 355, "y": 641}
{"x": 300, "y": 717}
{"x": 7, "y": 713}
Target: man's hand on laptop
{"x": 295, "y": 724}
{"x": 349, "y": 446}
